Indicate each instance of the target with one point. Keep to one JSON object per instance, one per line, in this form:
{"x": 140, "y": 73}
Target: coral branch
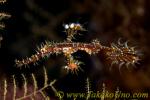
{"x": 35, "y": 91}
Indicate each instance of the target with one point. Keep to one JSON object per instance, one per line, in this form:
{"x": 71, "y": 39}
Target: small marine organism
{"x": 121, "y": 54}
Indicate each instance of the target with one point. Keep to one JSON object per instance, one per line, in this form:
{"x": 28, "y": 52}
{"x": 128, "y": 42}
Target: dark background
{"x": 34, "y": 21}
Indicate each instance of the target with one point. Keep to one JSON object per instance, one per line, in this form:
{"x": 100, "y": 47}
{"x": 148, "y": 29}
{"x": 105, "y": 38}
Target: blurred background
{"x": 34, "y": 21}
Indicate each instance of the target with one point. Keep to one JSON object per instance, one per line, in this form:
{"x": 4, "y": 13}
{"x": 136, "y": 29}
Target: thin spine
{"x": 88, "y": 85}
{"x": 53, "y": 88}
{"x": 103, "y": 92}
{"x": 25, "y": 85}
{"x": 5, "y": 89}
{"x": 88, "y": 88}
{"x": 45, "y": 97}
{"x": 55, "y": 91}
{"x": 45, "y": 83}
{"x": 35, "y": 84}
{"x": 15, "y": 88}
{"x": 43, "y": 94}
{"x": 45, "y": 77}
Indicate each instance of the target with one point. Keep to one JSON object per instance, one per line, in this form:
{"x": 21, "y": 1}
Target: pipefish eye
{"x": 66, "y": 26}
{"x": 72, "y": 25}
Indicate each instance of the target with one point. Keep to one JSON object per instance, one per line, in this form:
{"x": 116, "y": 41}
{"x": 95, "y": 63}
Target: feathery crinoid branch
{"x": 26, "y": 93}
{"x": 120, "y": 53}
